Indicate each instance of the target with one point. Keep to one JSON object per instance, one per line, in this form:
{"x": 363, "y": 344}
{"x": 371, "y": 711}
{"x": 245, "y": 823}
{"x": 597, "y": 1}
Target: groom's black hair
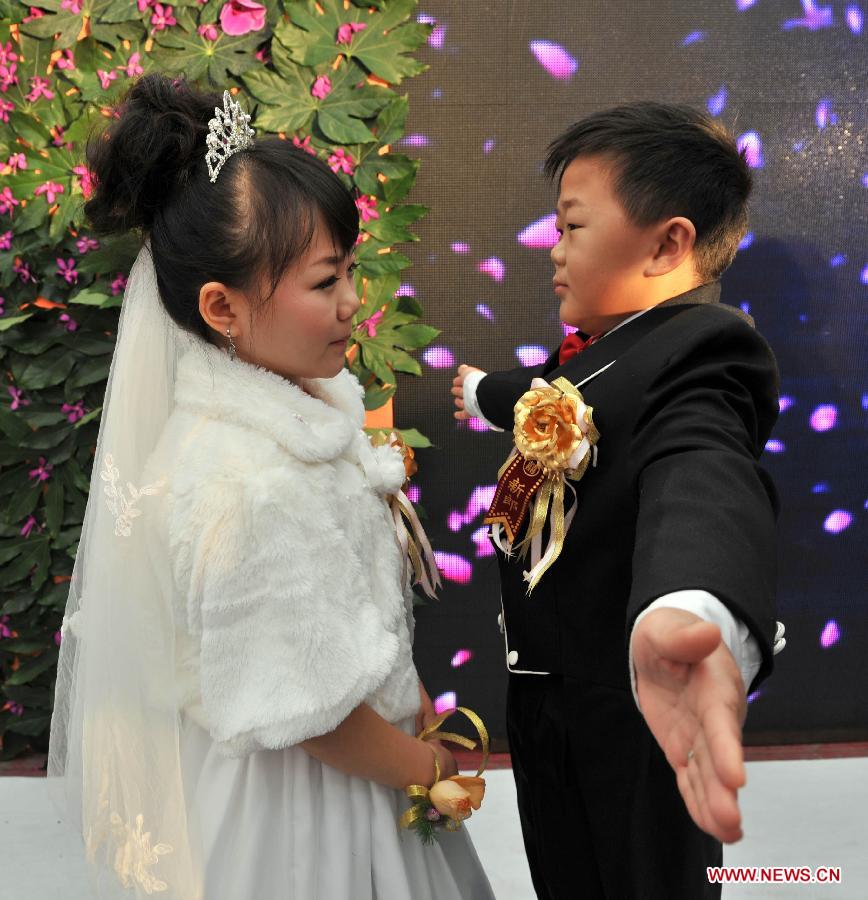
{"x": 668, "y": 160}
{"x": 244, "y": 230}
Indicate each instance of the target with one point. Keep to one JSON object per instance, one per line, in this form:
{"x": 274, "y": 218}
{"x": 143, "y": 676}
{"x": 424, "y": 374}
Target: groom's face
{"x": 601, "y": 255}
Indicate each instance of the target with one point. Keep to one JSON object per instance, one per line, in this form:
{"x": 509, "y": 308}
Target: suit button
{"x": 512, "y": 657}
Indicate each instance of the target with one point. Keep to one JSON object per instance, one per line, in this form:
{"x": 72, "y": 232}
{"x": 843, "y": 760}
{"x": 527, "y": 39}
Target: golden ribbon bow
{"x": 418, "y": 793}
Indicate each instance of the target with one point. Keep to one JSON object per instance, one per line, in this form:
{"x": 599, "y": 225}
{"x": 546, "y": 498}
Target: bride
{"x": 236, "y": 693}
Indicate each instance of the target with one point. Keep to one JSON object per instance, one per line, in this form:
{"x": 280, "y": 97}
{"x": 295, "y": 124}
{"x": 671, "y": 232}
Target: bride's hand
{"x": 448, "y": 766}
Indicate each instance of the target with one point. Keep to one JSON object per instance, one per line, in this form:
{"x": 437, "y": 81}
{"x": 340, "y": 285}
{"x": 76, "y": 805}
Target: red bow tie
{"x": 574, "y": 343}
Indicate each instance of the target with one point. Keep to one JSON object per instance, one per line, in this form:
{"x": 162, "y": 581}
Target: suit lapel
{"x": 595, "y": 359}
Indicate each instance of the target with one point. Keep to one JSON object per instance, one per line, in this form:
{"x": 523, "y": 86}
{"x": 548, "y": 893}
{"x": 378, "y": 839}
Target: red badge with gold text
{"x": 515, "y": 489}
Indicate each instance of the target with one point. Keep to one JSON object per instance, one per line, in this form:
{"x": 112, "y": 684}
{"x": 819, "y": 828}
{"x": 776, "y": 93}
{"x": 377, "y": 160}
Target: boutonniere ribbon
{"x": 446, "y": 804}
{"x": 555, "y": 441}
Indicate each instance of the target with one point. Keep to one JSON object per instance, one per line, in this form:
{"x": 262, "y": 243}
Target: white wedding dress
{"x": 279, "y": 825}
{"x": 289, "y": 613}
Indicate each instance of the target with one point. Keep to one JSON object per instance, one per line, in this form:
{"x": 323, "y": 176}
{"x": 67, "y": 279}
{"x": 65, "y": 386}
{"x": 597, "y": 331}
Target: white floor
{"x": 807, "y": 813}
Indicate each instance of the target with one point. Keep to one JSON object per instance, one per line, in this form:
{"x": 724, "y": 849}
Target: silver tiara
{"x": 228, "y": 132}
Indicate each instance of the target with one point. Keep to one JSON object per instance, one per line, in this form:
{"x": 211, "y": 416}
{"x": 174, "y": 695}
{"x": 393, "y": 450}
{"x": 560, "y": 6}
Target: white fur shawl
{"x": 286, "y": 569}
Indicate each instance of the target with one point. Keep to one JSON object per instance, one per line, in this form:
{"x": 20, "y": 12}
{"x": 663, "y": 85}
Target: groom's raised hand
{"x": 692, "y": 697}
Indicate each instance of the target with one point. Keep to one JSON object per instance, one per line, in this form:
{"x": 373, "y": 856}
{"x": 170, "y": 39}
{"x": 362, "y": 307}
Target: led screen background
{"x": 789, "y": 79}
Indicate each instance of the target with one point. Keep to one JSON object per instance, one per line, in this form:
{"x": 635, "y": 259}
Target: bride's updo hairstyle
{"x": 244, "y": 230}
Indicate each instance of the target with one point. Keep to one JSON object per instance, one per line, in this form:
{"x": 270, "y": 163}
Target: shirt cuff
{"x": 471, "y": 383}
{"x": 734, "y": 633}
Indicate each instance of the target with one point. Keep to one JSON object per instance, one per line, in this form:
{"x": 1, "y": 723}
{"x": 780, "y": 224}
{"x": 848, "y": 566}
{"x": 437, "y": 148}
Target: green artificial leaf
{"x": 30, "y": 724}
{"x": 32, "y": 669}
{"x": 44, "y": 372}
{"x": 401, "y": 361}
{"x": 22, "y": 503}
{"x": 377, "y": 396}
{"x": 12, "y": 425}
{"x": 29, "y": 128}
{"x": 17, "y": 604}
{"x": 374, "y": 357}
{"x": 54, "y": 506}
{"x": 391, "y": 227}
{"x": 313, "y": 40}
{"x": 192, "y": 55}
{"x": 392, "y": 120}
{"x": 89, "y": 372}
{"x": 92, "y": 297}
{"x": 30, "y": 697}
{"x": 413, "y": 337}
{"x": 413, "y": 438}
{"x": 286, "y": 104}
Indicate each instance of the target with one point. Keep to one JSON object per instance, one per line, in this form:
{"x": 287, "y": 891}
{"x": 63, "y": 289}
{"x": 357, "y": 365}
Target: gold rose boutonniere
{"x": 446, "y": 804}
{"x": 555, "y": 440}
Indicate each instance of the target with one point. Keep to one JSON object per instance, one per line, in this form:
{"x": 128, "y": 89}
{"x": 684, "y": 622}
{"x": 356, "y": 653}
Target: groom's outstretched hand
{"x": 692, "y": 697}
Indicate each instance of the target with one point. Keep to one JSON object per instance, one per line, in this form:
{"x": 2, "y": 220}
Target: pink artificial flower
{"x": 346, "y": 32}
{"x": 7, "y": 54}
{"x": 35, "y": 13}
{"x": 39, "y": 87}
{"x": 67, "y": 271}
{"x": 7, "y": 201}
{"x": 58, "y": 637}
{"x": 322, "y": 87}
{"x": 51, "y": 189}
{"x": 22, "y": 270}
{"x": 370, "y": 325}
{"x": 263, "y": 55}
{"x": 73, "y": 411}
{"x": 144, "y": 5}
{"x": 86, "y": 243}
{"x": 341, "y": 161}
{"x": 16, "y": 709}
{"x": 304, "y": 145}
{"x": 6, "y": 241}
{"x": 74, "y": 6}
{"x": 29, "y": 525}
{"x": 209, "y": 32}
{"x": 162, "y": 17}
{"x": 8, "y": 76}
{"x": 5, "y": 630}
{"x": 133, "y": 66}
{"x": 68, "y": 322}
{"x": 367, "y": 207}
{"x": 42, "y": 472}
{"x": 18, "y": 398}
{"x": 17, "y": 161}
{"x": 2, "y": 306}
{"x": 85, "y": 180}
{"x": 106, "y": 78}
{"x": 6, "y": 107}
{"x": 66, "y": 61}
{"x": 242, "y": 16}
{"x": 118, "y": 284}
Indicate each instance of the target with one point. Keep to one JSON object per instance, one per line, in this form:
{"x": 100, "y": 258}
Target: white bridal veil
{"x": 113, "y": 763}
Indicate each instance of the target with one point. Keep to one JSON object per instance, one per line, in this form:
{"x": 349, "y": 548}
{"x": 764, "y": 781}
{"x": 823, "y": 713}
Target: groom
{"x": 630, "y": 660}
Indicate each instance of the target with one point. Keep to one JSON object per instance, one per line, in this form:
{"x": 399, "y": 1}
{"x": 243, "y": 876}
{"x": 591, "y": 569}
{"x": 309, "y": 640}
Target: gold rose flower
{"x": 555, "y": 428}
{"x": 458, "y": 796}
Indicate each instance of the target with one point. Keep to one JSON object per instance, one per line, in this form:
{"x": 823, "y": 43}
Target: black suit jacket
{"x": 677, "y": 499}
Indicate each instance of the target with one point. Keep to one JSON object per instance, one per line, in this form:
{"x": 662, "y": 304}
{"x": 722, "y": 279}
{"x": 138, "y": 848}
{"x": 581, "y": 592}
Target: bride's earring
{"x": 232, "y": 353}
